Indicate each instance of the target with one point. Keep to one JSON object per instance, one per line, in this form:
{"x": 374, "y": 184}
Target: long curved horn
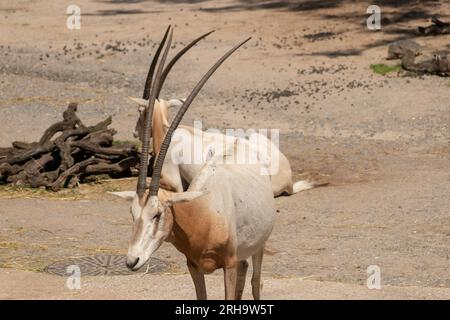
{"x": 156, "y": 176}
{"x": 166, "y": 71}
{"x": 151, "y": 70}
{"x": 176, "y": 58}
{"x": 143, "y": 166}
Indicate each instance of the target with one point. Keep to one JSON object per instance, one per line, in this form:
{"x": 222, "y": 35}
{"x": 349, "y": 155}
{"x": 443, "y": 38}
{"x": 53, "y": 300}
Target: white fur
{"x": 302, "y": 185}
{"x": 128, "y": 195}
{"x": 274, "y": 162}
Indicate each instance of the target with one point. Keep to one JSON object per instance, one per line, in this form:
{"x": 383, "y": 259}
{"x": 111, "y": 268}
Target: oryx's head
{"x": 161, "y": 106}
{"x": 151, "y": 211}
{"x": 159, "y": 103}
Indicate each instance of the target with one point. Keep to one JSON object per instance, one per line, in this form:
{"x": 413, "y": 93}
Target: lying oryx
{"x": 225, "y": 217}
{"x": 178, "y": 176}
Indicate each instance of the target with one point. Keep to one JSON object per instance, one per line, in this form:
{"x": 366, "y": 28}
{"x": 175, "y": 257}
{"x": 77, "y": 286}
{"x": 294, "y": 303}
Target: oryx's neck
{"x": 160, "y": 125}
{"x": 200, "y": 234}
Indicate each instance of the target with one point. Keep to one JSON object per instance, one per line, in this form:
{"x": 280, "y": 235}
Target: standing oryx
{"x": 225, "y": 216}
{"x": 178, "y": 176}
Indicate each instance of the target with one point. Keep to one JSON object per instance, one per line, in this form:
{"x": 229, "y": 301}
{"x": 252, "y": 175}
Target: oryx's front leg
{"x": 242, "y": 267}
{"x": 199, "y": 281}
{"x": 256, "y": 277}
{"x": 230, "y": 277}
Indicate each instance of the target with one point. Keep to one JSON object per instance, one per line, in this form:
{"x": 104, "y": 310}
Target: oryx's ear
{"x": 176, "y": 102}
{"x": 128, "y": 195}
{"x": 139, "y": 101}
{"x": 184, "y": 196}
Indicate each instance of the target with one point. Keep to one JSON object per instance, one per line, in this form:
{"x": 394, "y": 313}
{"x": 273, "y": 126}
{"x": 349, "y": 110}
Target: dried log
{"x": 38, "y": 164}
{"x": 75, "y": 169}
{"x": 69, "y": 122}
{"x": 4, "y": 151}
{"x": 438, "y": 27}
{"x": 83, "y": 131}
{"x": 101, "y": 138}
{"x": 51, "y": 176}
{"x": 6, "y": 170}
{"x": 66, "y": 155}
{"x": 27, "y": 154}
{"x": 126, "y": 150}
{"x": 30, "y": 175}
{"x": 23, "y": 145}
{"x": 74, "y": 181}
{"x": 119, "y": 167}
{"x": 64, "y": 160}
{"x": 50, "y": 145}
{"x": 33, "y": 179}
{"x": 107, "y": 157}
{"x": 36, "y": 180}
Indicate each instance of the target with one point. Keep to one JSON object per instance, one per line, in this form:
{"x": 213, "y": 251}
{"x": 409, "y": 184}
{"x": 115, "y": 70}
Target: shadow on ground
{"x": 119, "y": 12}
{"x": 411, "y": 10}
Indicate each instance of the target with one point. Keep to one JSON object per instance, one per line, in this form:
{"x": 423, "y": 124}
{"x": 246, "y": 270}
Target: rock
{"x": 439, "y": 64}
{"x": 396, "y": 50}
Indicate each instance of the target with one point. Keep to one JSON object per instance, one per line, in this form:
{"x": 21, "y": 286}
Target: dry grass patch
{"x": 95, "y": 189}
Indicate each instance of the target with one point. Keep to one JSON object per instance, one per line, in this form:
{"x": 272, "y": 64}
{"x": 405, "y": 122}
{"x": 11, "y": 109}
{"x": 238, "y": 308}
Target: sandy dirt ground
{"x": 31, "y": 285}
{"x": 381, "y": 141}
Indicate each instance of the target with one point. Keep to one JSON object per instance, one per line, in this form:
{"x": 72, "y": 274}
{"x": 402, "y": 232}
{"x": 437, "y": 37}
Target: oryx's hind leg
{"x": 199, "y": 281}
{"x": 256, "y": 277}
{"x": 242, "y": 267}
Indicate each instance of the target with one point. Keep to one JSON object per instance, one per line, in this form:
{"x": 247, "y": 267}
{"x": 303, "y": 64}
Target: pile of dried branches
{"x": 67, "y": 153}
{"x": 437, "y": 28}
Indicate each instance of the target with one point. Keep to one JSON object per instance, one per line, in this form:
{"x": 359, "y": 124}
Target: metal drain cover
{"x": 102, "y": 265}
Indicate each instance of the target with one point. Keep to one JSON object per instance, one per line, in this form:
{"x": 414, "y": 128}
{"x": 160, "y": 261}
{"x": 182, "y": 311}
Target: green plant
{"x": 383, "y": 69}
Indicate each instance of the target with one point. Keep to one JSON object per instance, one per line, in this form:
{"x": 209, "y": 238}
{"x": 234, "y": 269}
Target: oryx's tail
{"x": 303, "y": 185}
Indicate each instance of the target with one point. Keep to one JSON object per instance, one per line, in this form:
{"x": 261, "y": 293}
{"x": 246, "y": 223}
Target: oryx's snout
{"x": 132, "y": 262}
